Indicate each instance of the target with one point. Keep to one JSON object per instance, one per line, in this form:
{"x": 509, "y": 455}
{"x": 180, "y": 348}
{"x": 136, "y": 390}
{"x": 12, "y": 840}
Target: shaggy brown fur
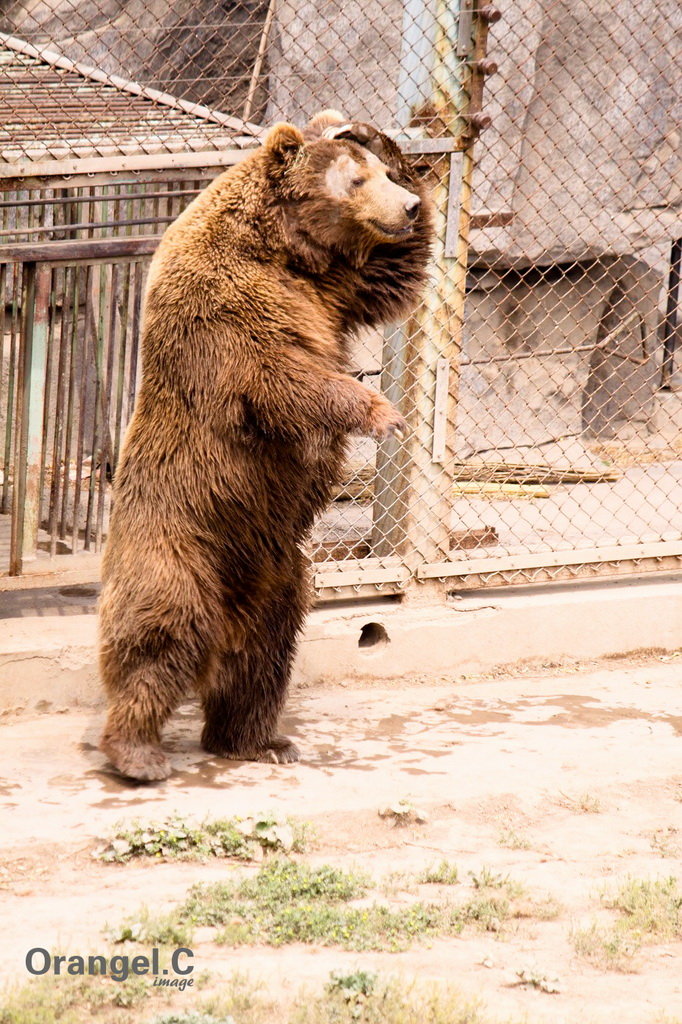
{"x": 238, "y": 433}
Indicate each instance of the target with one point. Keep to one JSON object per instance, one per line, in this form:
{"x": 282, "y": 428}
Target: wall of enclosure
{"x": 539, "y": 374}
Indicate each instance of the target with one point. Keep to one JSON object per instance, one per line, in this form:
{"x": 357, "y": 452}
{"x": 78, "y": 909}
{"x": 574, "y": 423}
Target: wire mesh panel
{"x": 538, "y": 375}
{"x": 569, "y": 412}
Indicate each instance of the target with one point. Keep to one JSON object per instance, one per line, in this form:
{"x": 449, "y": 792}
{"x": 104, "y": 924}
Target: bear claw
{"x": 279, "y": 750}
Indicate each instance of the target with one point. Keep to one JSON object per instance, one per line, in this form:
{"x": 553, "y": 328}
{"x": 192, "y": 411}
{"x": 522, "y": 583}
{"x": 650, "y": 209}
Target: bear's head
{"x": 343, "y": 188}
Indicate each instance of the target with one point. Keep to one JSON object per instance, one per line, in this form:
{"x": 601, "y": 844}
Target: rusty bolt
{"x": 485, "y": 67}
{"x": 480, "y": 121}
{"x": 489, "y": 14}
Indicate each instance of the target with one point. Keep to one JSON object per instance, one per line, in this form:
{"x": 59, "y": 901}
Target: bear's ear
{"x": 283, "y": 141}
{"x": 355, "y": 132}
{"x": 322, "y": 122}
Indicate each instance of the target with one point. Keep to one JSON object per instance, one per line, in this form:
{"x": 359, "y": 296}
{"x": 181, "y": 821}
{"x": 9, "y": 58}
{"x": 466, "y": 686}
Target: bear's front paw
{"x": 384, "y": 420}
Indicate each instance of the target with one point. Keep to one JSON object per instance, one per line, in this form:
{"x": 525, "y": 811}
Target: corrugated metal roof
{"x": 55, "y": 109}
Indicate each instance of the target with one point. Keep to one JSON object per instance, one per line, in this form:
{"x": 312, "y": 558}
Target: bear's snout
{"x": 412, "y": 207}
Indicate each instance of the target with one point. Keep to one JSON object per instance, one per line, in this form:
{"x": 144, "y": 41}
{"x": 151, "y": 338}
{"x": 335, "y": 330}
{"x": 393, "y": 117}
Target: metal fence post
{"x": 421, "y": 362}
{"x": 30, "y": 398}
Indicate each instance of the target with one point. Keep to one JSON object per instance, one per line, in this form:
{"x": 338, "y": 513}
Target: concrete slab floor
{"x": 565, "y": 781}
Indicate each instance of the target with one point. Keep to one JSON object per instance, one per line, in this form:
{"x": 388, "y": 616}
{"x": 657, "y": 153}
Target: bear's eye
{"x": 357, "y": 182}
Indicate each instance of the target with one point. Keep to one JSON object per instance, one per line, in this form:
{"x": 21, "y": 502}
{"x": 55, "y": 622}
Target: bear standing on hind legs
{"x": 239, "y": 430}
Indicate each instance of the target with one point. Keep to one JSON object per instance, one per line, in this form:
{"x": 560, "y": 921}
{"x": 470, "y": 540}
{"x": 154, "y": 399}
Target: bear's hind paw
{"x": 146, "y": 763}
{"x": 280, "y": 750}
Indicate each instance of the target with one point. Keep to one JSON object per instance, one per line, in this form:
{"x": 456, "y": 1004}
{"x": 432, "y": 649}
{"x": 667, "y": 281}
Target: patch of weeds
{"x": 240, "y": 999}
{"x": 376, "y": 927}
{"x": 154, "y": 929}
{"x": 487, "y": 879}
{"x": 355, "y": 989}
{"x": 396, "y": 882}
{"x": 487, "y": 911}
{"x": 363, "y": 998}
{"x": 498, "y": 898}
{"x": 191, "y": 1017}
{"x": 359, "y": 983}
{"x": 610, "y": 947}
{"x": 289, "y": 902}
{"x": 175, "y": 839}
{"x": 513, "y": 840}
{"x": 651, "y": 907}
{"x": 73, "y": 1000}
{"x": 544, "y": 908}
{"x": 650, "y": 910}
{"x": 586, "y": 803}
{"x": 666, "y": 841}
{"x": 444, "y": 873}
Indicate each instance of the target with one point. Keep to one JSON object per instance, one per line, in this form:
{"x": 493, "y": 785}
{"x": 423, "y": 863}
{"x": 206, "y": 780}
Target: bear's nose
{"x": 412, "y": 207}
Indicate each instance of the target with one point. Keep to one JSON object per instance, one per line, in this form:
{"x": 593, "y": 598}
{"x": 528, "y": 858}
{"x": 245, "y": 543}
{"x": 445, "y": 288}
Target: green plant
{"x": 583, "y": 804}
{"x": 650, "y": 907}
{"x": 368, "y": 1000}
{"x": 610, "y": 947}
{"x": 487, "y": 879}
{"x": 288, "y": 902}
{"x": 513, "y": 840}
{"x": 444, "y": 873}
{"x": 175, "y": 838}
{"x": 72, "y": 1000}
{"x": 153, "y": 929}
{"x": 191, "y": 1017}
{"x": 360, "y": 982}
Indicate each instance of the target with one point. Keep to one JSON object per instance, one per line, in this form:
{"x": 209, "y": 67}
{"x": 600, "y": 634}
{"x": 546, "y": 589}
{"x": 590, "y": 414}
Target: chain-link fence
{"x": 538, "y": 375}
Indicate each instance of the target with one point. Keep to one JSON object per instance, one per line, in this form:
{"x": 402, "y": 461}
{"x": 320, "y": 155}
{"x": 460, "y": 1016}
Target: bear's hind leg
{"x": 243, "y": 705}
{"x": 142, "y": 697}
{"x": 242, "y": 709}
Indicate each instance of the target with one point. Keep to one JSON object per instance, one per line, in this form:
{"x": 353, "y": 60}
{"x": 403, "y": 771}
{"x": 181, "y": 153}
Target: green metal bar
{"x": 26, "y": 497}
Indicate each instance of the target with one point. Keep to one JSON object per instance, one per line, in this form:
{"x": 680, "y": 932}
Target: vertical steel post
{"x": 670, "y": 325}
{"x": 33, "y": 354}
{"x": 414, "y": 480}
{"x": 413, "y": 506}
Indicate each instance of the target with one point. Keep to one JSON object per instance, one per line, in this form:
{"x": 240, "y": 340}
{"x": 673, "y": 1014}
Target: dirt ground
{"x": 566, "y": 780}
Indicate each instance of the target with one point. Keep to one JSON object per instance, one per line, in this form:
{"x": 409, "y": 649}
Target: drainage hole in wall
{"x": 373, "y": 634}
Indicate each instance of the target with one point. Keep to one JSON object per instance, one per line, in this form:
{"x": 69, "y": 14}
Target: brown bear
{"x": 239, "y": 429}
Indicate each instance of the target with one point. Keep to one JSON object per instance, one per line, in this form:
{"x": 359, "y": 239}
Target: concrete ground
{"x": 566, "y": 779}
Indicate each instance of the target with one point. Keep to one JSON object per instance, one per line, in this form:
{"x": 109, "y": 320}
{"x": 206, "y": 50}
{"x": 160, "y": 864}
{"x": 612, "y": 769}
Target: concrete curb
{"x": 49, "y": 662}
